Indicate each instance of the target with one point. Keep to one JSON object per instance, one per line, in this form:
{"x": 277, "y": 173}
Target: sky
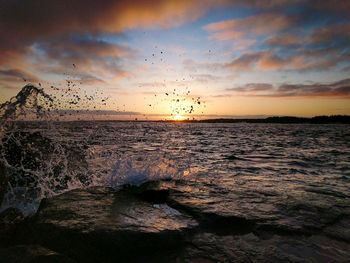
{"x": 181, "y": 58}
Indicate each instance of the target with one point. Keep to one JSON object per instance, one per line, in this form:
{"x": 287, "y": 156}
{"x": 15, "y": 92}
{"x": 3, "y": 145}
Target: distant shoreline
{"x": 335, "y": 119}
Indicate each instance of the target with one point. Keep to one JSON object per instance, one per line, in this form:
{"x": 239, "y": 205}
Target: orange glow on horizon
{"x": 178, "y": 118}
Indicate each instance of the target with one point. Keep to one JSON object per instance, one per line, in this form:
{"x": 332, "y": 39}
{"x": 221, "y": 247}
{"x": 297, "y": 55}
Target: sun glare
{"x": 179, "y": 118}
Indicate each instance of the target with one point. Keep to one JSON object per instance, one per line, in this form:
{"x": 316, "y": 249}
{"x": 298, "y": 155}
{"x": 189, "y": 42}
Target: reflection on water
{"x": 264, "y": 157}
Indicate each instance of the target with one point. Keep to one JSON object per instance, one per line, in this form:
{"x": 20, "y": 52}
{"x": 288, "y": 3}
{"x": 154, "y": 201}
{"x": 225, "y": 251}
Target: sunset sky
{"x": 201, "y": 58}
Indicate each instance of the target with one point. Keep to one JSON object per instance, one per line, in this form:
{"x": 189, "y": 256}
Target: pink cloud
{"x": 335, "y": 89}
{"x": 262, "y": 24}
{"x": 284, "y": 40}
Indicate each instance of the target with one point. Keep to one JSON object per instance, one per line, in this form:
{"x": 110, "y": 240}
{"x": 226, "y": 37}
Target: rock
{"x": 99, "y": 223}
{"x": 9, "y": 221}
{"x": 3, "y": 180}
{"x": 207, "y": 247}
{"x": 339, "y": 230}
{"x": 247, "y": 224}
{"x": 192, "y": 221}
{"x": 245, "y": 209}
{"x": 31, "y": 254}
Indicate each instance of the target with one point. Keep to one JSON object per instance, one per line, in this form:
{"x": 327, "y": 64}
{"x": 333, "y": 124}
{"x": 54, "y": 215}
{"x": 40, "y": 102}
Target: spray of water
{"x": 37, "y": 160}
{"x": 32, "y": 165}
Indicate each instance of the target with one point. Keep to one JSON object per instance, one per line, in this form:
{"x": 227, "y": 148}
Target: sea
{"x": 43, "y": 159}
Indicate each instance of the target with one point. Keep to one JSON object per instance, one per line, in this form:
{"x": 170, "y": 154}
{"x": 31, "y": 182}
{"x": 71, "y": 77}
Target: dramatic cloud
{"x": 17, "y": 75}
{"x": 302, "y": 60}
{"x": 10, "y": 78}
{"x": 262, "y": 24}
{"x": 24, "y": 22}
{"x": 265, "y": 60}
{"x": 118, "y": 45}
{"x": 86, "y": 54}
{"x": 284, "y": 40}
{"x": 335, "y": 89}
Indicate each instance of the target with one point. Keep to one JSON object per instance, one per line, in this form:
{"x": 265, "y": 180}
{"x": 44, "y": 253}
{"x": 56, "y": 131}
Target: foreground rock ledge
{"x": 31, "y": 254}
{"x": 100, "y": 223}
{"x": 184, "y": 221}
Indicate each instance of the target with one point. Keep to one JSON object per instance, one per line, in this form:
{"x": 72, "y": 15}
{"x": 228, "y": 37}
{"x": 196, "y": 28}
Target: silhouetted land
{"x": 335, "y": 119}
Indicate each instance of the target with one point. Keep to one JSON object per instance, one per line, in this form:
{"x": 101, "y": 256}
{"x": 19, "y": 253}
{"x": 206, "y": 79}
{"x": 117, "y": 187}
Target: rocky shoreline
{"x": 178, "y": 221}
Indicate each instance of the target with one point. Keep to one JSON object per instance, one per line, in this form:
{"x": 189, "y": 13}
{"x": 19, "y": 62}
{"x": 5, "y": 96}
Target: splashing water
{"x": 38, "y": 160}
{"x": 32, "y": 164}
{"x": 138, "y": 169}
{"x": 28, "y": 100}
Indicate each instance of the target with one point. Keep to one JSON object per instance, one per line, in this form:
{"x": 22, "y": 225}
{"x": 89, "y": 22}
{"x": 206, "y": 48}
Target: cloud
{"x": 204, "y": 78}
{"x": 155, "y": 84}
{"x": 17, "y": 75}
{"x": 341, "y": 7}
{"x": 264, "y": 60}
{"x": 262, "y": 24}
{"x": 284, "y": 40}
{"x": 96, "y": 112}
{"x": 336, "y": 34}
{"x": 194, "y": 66}
{"x": 336, "y": 89}
{"x": 86, "y": 54}
{"x": 304, "y": 59}
{"x": 22, "y": 23}
{"x": 12, "y": 77}
{"x": 252, "y": 87}
{"x": 25, "y": 22}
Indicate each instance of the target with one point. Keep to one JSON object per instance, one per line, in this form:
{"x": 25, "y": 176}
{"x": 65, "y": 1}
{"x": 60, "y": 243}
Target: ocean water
{"x": 40, "y": 157}
{"x": 262, "y": 157}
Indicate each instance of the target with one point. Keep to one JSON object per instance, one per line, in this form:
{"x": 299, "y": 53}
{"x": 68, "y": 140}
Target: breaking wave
{"x": 38, "y": 161}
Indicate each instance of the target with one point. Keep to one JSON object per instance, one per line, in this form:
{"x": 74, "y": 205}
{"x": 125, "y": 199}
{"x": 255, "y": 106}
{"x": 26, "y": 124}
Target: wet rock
{"x": 9, "y": 221}
{"x": 3, "y": 181}
{"x": 234, "y": 157}
{"x": 207, "y": 247}
{"x": 247, "y": 224}
{"x": 245, "y": 209}
{"x": 31, "y": 254}
{"x": 339, "y": 230}
{"x": 99, "y": 223}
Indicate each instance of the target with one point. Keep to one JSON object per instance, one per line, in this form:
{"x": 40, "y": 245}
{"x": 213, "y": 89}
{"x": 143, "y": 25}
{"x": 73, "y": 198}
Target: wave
{"x": 37, "y": 161}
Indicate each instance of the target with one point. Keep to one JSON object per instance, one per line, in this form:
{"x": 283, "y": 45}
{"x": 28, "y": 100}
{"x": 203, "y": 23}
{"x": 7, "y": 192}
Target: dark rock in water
{"x": 241, "y": 209}
{"x": 206, "y": 247}
{"x": 31, "y": 254}
{"x": 234, "y": 157}
{"x": 243, "y": 225}
{"x": 339, "y": 230}
{"x": 9, "y": 220}
{"x": 99, "y": 223}
{"x": 3, "y": 181}
{"x": 11, "y": 216}
{"x": 184, "y": 221}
